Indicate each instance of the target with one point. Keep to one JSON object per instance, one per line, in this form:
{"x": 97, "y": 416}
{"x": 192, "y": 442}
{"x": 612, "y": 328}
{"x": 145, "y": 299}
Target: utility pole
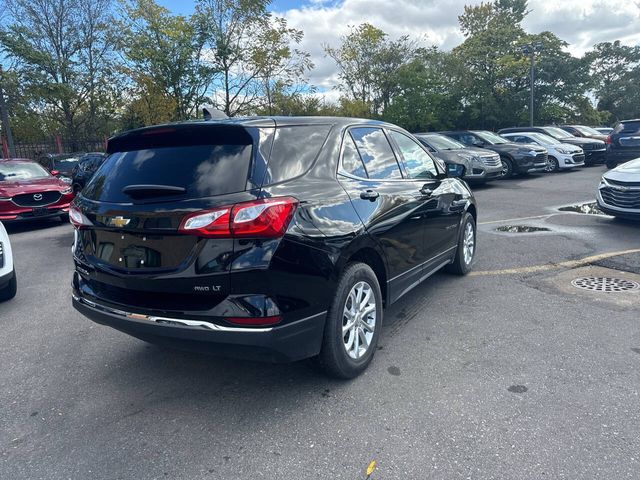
{"x": 4, "y": 117}
{"x": 531, "y": 50}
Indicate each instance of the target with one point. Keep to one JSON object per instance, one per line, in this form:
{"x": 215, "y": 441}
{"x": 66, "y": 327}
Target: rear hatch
{"x": 626, "y": 136}
{"x": 137, "y": 201}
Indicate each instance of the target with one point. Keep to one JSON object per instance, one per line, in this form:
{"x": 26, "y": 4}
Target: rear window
{"x": 202, "y": 170}
{"x": 294, "y": 151}
{"x": 628, "y": 127}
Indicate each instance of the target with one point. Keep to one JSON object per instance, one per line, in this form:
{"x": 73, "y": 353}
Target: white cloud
{"x": 579, "y": 22}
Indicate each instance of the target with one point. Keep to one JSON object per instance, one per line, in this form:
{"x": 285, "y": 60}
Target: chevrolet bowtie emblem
{"x": 119, "y": 222}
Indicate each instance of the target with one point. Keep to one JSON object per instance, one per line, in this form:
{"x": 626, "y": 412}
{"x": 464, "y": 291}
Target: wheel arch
{"x": 366, "y": 251}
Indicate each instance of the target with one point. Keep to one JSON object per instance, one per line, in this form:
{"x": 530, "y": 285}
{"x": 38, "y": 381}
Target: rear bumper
{"x": 592, "y": 157}
{"x": 286, "y": 343}
{"x": 620, "y": 156}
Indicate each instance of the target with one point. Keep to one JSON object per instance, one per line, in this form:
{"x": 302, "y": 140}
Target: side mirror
{"x": 455, "y": 170}
{"x": 55, "y": 173}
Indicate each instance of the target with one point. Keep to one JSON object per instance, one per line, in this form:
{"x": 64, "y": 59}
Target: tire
{"x": 552, "y": 165}
{"x": 336, "y": 358}
{"x": 64, "y": 218}
{"x": 462, "y": 263}
{"x": 8, "y": 292}
{"x": 507, "y": 167}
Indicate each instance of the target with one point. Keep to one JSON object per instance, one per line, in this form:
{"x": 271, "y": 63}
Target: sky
{"x": 581, "y": 23}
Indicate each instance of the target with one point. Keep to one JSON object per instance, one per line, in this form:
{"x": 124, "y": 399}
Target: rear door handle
{"x": 369, "y": 195}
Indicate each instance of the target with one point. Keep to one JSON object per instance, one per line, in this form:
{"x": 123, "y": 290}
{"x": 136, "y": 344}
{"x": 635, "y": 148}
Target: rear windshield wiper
{"x": 152, "y": 190}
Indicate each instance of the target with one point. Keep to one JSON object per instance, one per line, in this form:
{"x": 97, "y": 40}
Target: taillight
{"x": 608, "y": 141}
{"x": 210, "y": 223}
{"x": 77, "y": 218}
{"x": 265, "y": 218}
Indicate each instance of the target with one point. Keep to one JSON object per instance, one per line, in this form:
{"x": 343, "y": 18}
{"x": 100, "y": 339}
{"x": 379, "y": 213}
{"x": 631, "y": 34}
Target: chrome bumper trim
{"x": 150, "y": 318}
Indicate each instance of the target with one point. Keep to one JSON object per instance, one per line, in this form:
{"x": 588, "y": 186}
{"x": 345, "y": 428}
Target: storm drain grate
{"x": 605, "y": 284}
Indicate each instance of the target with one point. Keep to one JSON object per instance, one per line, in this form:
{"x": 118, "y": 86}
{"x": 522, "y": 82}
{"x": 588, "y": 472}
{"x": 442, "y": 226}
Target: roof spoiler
{"x": 210, "y": 113}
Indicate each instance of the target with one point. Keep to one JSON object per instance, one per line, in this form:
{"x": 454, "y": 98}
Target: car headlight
{"x": 563, "y": 151}
{"x": 66, "y": 191}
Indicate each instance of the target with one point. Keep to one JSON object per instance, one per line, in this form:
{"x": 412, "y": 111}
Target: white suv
{"x": 8, "y": 281}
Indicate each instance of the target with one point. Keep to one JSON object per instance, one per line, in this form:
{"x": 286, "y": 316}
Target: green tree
{"x": 494, "y": 85}
{"x": 615, "y": 72}
{"x": 62, "y": 53}
{"x": 163, "y": 58}
{"x": 426, "y": 98}
{"x": 368, "y": 62}
{"x": 253, "y": 52}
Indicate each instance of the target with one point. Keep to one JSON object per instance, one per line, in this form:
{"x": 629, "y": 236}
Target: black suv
{"x": 265, "y": 238}
{"x": 515, "y": 157}
{"x": 624, "y": 142}
{"x": 84, "y": 170}
{"x": 595, "y": 151}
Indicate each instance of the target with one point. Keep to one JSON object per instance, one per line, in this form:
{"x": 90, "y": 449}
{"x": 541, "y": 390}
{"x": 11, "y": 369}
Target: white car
{"x": 619, "y": 191}
{"x": 8, "y": 282}
{"x": 562, "y": 156}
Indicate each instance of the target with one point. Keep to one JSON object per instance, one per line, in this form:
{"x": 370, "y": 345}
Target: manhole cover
{"x": 605, "y": 284}
{"x": 521, "y": 229}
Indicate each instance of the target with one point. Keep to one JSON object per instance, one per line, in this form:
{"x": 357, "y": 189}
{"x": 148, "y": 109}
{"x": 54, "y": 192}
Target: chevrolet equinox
{"x": 276, "y": 239}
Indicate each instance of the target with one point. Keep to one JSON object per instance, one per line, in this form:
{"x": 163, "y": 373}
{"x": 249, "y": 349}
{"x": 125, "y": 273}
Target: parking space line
{"x": 553, "y": 266}
{"x": 517, "y": 219}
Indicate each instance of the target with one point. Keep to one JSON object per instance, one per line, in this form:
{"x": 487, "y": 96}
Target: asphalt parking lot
{"x": 510, "y": 372}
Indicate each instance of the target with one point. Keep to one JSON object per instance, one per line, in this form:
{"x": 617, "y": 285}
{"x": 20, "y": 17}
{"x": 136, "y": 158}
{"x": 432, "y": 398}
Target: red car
{"x": 28, "y": 191}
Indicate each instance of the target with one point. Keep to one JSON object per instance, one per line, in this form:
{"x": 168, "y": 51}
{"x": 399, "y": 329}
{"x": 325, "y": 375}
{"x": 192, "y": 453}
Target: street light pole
{"x": 532, "y": 83}
{"x": 531, "y": 50}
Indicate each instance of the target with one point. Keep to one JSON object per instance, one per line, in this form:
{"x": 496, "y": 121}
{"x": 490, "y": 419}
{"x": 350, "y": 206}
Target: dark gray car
{"x": 480, "y": 165}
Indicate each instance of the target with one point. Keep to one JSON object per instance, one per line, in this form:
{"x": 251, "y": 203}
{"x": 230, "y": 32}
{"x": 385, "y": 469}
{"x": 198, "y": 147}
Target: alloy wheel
{"x": 505, "y": 169}
{"x": 549, "y": 166}
{"x": 468, "y": 244}
{"x": 359, "y": 320}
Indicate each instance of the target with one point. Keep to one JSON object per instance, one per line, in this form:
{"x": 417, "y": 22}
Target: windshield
{"x": 65, "y": 164}
{"x": 556, "y": 132}
{"x": 440, "y": 142}
{"x": 542, "y": 139}
{"x": 491, "y": 138}
{"x": 11, "y": 172}
{"x": 587, "y": 130}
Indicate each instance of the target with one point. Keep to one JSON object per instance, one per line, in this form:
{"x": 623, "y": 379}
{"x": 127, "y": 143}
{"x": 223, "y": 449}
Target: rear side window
{"x": 202, "y": 170}
{"x": 376, "y": 153}
{"x": 294, "y": 151}
{"x": 351, "y": 161}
